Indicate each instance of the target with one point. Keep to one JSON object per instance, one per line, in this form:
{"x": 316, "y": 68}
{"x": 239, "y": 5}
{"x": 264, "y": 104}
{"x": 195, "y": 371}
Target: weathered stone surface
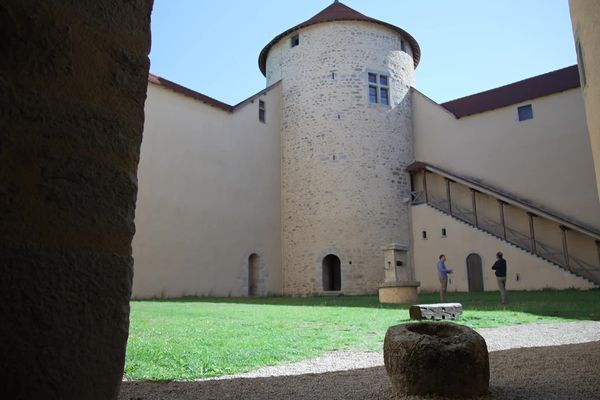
{"x": 400, "y": 292}
{"x": 438, "y": 311}
{"x": 73, "y": 77}
{"x": 436, "y": 358}
{"x": 343, "y": 159}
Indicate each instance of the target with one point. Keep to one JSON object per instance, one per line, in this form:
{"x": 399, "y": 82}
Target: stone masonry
{"x": 73, "y": 79}
{"x": 344, "y": 188}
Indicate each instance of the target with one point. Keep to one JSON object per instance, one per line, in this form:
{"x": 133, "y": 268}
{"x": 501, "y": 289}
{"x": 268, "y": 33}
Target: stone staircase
{"x": 587, "y": 277}
{"x": 527, "y": 242}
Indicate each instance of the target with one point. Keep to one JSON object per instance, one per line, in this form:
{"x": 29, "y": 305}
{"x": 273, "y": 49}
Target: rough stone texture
{"x": 343, "y": 159}
{"x": 72, "y": 87}
{"x": 436, "y": 358}
{"x": 438, "y": 311}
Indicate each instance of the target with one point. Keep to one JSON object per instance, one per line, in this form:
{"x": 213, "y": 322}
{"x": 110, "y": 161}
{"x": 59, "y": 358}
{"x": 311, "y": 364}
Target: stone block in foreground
{"x": 439, "y": 358}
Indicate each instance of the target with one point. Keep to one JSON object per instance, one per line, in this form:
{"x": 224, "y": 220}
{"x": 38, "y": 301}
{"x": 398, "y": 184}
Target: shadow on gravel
{"x": 560, "y": 372}
{"x": 569, "y": 304}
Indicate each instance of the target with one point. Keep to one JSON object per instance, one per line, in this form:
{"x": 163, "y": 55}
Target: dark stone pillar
{"x": 73, "y": 77}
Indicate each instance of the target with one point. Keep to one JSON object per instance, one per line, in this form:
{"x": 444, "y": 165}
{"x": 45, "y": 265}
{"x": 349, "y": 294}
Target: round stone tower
{"x": 346, "y": 138}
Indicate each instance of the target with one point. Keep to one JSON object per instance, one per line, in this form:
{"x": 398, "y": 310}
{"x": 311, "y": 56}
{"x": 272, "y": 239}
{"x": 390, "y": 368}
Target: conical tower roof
{"x": 337, "y": 12}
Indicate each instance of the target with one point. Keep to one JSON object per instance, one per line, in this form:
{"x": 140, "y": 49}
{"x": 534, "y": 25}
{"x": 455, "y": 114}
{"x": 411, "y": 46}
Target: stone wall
{"x": 72, "y": 87}
{"x": 343, "y": 159}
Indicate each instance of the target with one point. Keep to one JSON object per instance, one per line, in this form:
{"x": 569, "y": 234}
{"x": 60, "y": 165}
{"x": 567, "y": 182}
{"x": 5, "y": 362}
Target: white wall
{"x": 461, "y": 240}
{"x": 546, "y": 160}
{"x": 209, "y": 197}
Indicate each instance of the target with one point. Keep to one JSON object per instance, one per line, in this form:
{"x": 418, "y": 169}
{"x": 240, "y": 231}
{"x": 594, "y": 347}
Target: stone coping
{"x": 399, "y": 284}
{"x": 395, "y": 246}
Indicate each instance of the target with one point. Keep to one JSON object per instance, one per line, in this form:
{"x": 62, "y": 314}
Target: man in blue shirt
{"x": 443, "y": 272}
{"x": 500, "y": 268}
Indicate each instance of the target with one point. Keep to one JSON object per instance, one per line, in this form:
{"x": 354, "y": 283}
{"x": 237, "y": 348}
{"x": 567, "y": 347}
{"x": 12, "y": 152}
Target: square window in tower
{"x": 525, "y": 112}
{"x": 379, "y": 91}
{"x": 295, "y": 41}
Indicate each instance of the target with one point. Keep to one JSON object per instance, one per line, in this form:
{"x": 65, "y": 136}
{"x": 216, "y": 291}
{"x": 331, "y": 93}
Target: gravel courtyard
{"x": 535, "y": 361}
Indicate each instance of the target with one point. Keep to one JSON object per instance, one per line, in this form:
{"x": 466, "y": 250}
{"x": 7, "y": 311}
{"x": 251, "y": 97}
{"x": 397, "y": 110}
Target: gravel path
{"x": 503, "y": 338}
{"x": 535, "y": 361}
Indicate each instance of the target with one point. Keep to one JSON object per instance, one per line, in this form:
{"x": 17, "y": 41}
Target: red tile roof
{"x": 538, "y": 86}
{"x": 189, "y": 92}
{"x": 338, "y": 12}
{"x": 157, "y": 80}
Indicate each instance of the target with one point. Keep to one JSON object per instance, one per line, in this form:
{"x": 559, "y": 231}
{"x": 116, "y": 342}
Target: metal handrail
{"x": 513, "y": 236}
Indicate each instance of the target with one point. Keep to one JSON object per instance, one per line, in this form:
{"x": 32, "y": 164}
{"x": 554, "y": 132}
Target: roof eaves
{"x": 254, "y": 96}
{"x": 338, "y": 12}
{"x": 526, "y": 204}
{"x": 514, "y": 93}
{"x": 157, "y": 80}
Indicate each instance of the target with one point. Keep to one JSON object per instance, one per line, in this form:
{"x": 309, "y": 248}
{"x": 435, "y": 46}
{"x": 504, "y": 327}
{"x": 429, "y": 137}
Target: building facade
{"x": 296, "y": 190}
{"x": 586, "y": 30}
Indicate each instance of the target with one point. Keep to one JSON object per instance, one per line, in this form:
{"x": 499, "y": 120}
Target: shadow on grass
{"x": 568, "y": 304}
{"x": 560, "y": 372}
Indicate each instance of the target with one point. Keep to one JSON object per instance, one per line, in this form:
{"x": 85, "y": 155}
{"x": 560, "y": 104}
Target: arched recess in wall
{"x": 253, "y": 274}
{"x": 332, "y": 274}
{"x": 475, "y": 272}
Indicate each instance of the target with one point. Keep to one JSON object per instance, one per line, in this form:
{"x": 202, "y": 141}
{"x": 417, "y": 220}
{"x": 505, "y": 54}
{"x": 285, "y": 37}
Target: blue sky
{"x": 467, "y": 45}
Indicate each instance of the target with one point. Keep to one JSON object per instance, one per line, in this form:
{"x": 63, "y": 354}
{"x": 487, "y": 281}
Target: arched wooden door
{"x": 475, "y": 273}
{"x": 332, "y": 274}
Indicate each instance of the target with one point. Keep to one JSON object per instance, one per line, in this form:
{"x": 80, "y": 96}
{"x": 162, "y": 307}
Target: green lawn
{"x": 189, "y": 339}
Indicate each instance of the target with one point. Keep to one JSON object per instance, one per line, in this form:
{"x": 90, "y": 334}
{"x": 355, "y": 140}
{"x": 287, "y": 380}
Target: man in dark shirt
{"x": 500, "y": 268}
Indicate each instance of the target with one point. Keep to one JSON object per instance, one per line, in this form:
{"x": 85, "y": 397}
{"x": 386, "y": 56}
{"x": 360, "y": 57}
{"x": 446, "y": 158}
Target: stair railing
{"x": 514, "y": 237}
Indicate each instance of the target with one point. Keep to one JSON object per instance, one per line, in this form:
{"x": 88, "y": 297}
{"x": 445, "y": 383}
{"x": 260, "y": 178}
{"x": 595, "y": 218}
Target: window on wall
{"x": 295, "y": 41}
{"x": 525, "y": 112}
{"x": 262, "y": 111}
{"x": 379, "y": 89}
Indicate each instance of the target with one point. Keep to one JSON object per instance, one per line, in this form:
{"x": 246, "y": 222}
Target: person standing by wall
{"x": 443, "y": 272}
{"x": 500, "y": 268}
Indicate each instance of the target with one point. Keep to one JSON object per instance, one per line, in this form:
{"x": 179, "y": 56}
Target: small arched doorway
{"x": 332, "y": 274}
{"x": 475, "y": 273}
{"x": 253, "y": 274}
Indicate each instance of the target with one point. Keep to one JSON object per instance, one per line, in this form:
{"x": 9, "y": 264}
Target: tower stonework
{"x": 344, "y": 186}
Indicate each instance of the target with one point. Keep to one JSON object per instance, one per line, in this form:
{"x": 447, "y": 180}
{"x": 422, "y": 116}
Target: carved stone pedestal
{"x": 399, "y": 286}
{"x": 398, "y": 292}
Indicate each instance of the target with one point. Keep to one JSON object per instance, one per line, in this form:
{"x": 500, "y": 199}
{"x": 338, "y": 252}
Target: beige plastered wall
{"x": 546, "y": 160}
{"x": 209, "y": 198}
{"x": 585, "y": 15}
{"x": 547, "y": 233}
{"x": 462, "y": 240}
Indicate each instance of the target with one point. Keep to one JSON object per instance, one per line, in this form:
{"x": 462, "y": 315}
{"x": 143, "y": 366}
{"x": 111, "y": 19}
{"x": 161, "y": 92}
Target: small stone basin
{"x": 440, "y": 358}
